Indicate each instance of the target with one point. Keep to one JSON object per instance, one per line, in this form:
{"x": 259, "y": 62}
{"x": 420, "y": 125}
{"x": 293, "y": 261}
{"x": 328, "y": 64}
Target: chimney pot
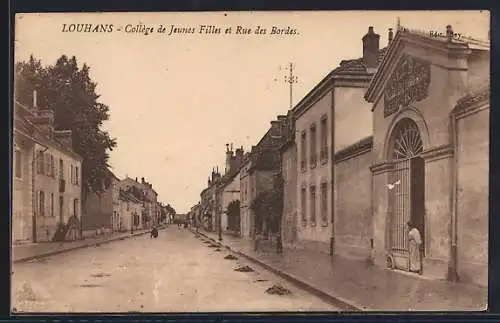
{"x": 370, "y": 30}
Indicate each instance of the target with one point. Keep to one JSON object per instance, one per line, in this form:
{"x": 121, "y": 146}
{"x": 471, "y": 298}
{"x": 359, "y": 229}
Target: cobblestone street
{"x": 175, "y": 273}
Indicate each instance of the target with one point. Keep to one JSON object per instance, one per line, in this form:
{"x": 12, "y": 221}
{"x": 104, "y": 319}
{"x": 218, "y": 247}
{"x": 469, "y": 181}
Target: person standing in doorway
{"x": 415, "y": 248}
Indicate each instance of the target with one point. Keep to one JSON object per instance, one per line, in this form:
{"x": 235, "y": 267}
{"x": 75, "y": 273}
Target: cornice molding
{"x": 382, "y": 167}
{"x": 436, "y": 153}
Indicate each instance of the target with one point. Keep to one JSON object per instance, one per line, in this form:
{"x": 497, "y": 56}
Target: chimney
{"x": 449, "y": 33}
{"x": 370, "y": 48}
{"x": 136, "y": 179}
{"x": 229, "y": 157}
{"x": 44, "y": 119}
{"x": 65, "y": 138}
{"x": 275, "y": 128}
{"x": 391, "y": 35}
{"x": 239, "y": 156}
{"x": 34, "y": 100}
{"x": 281, "y": 118}
{"x": 142, "y": 180}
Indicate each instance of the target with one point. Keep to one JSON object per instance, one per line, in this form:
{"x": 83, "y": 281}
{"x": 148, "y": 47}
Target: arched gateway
{"x": 406, "y": 193}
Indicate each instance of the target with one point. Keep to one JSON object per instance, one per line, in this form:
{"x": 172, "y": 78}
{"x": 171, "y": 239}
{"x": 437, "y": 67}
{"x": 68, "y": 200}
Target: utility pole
{"x": 291, "y": 79}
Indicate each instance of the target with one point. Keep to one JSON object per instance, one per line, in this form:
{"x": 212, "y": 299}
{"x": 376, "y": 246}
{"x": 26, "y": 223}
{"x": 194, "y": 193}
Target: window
{"x": 324, "y": 140}
{"x": 52, "y": 204}
{"x": 324, "y": 204}
{"x": 41, "y": 203}
{"x": 47, "y": 164}
{"x": 52, "y": 167}
{"x": 303, "y": 199}
{"x": 313, "y": 204}
{"x": 303, "y": 153}
{"x": 18, "y": 163}
{"x": 72, "y": 175}
{"x": 313, "y": 145}
{"x": 76, "y": 176}
{"x": 39, "y": 162}
{"x": 75, "y": 207}
{"x": 61, "y": 169}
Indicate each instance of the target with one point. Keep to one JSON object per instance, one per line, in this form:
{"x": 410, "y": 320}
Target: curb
{"x": 329, "y": 297}
{"x": 87, "y": 245}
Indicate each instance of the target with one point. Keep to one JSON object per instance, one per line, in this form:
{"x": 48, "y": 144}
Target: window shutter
{"x": 52, "y": 167}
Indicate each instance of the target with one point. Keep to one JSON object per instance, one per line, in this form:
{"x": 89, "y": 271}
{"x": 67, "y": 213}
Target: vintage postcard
{"x": 250, "y": 161}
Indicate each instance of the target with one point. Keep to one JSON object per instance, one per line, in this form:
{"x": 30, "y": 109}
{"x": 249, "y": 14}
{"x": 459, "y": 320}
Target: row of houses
{"x": 48, "y": 202}
{"x": 396, "y": 137}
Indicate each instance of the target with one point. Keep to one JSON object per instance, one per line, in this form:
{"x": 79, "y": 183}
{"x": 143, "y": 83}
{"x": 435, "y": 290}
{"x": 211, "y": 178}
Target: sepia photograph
{"x": 250, "y": 161}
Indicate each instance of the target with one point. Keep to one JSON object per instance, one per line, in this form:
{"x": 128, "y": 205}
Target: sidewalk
{"x": 27, "y": 252}
{"x": 360, "y": 285}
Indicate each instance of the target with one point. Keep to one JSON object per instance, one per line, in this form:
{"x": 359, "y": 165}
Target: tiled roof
{"x": 476, "y": 95}
{"x": 357, "y": 66}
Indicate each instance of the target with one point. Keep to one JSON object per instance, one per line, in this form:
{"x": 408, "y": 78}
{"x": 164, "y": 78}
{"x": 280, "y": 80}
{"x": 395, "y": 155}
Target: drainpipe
{"x": 332, "y": 163}
{"x": 33, "y": 194}
{"x": 452, "y": 267}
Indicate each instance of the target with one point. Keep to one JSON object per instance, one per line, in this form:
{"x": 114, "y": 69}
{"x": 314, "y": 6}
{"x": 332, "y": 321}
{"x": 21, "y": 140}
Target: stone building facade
{"x": 47, "y": 174}
{"x": 288, "y": 151}
{"x": 332, "y": 168}
{"x": 102, "y": 210}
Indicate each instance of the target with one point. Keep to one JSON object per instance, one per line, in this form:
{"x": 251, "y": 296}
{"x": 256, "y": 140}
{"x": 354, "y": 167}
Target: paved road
{"x": 174, "y": 273}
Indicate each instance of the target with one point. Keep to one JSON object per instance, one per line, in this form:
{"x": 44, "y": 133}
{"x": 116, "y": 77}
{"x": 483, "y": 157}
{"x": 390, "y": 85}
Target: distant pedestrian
{"x": 415, "y": 248}
{"x": 154, "y": 233}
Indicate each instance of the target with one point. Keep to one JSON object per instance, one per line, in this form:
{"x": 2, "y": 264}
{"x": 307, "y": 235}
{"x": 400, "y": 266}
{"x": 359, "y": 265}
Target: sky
{"x": 176, "y": 100}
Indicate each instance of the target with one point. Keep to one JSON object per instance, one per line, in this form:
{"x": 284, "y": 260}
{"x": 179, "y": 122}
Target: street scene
{"x": 175, "y": 273}
{"x": 251, "y": 162}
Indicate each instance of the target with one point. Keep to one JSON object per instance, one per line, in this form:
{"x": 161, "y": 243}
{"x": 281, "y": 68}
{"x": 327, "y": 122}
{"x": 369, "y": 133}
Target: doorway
{"x": 406, "y": 192}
